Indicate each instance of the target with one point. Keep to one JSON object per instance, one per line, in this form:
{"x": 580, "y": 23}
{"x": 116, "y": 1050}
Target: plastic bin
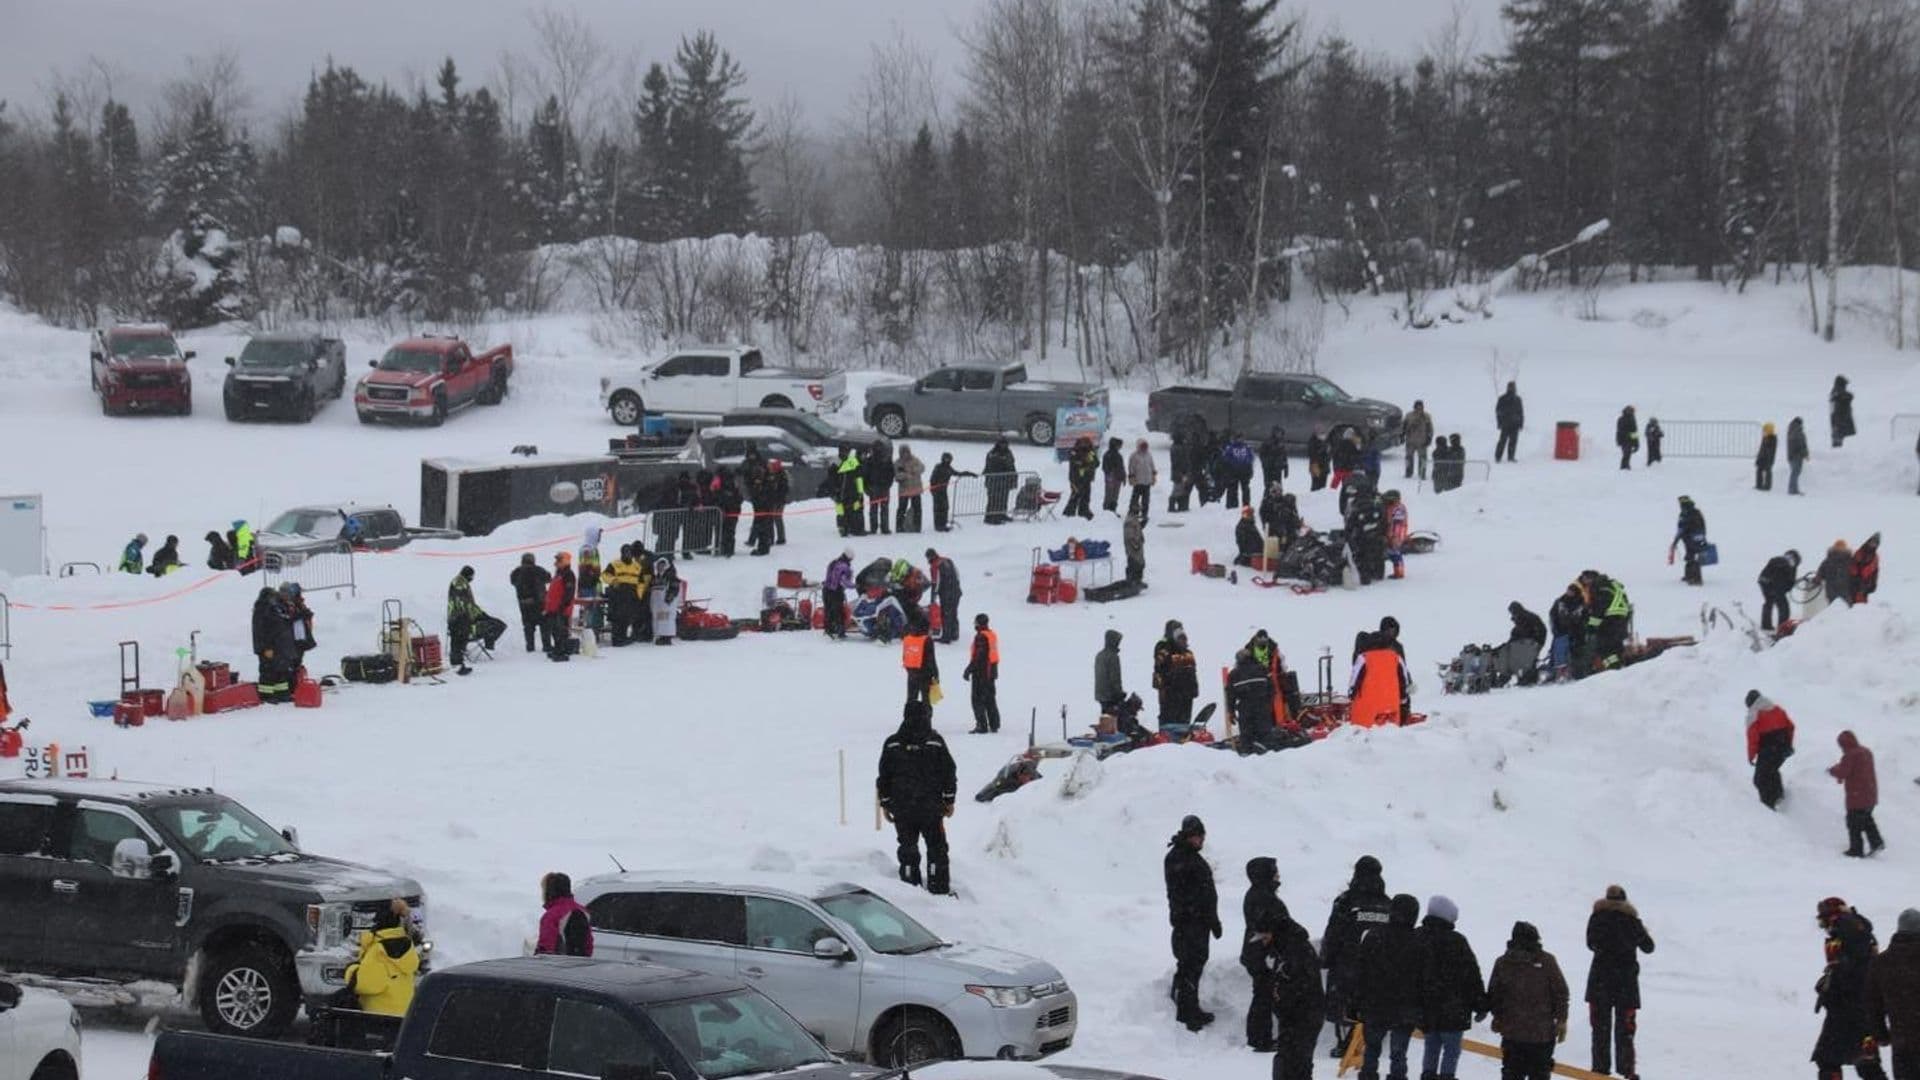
{"x": 1566, "y": 440}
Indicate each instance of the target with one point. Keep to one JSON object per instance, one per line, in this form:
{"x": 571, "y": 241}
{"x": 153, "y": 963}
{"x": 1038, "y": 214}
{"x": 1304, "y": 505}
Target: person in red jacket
{"x": 565, "y": 927}
{"x": 1866, "y": 569}
{"x": 1855, "y": 771}
{"x": 1769, "y": 745}
{"x": 557, "y": 610}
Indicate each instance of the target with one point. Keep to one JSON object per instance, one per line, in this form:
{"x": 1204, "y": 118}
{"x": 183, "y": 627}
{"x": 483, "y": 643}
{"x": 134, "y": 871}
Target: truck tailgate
{"x": 187, "y": 1055}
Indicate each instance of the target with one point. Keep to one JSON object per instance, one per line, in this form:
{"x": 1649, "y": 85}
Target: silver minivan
{"x": 862, "y": 975}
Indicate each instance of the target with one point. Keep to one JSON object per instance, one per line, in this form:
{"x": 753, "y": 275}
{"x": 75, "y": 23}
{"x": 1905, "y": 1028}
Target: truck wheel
{"x": 496, "y": 391}
{"x": 626, "y": 409}
{"x": 106, "y": 407}
{"x": 776, "y": 401}
{"x": 365, "y": 418}
{"x": 234, "y": 415}
{"x": 186, "y": 407}
{"x": 249, "y": 990}
{"x": 893, "y": 423}
{"x": 340, "y": 387}
{"x": 308, "y": 408}
{"x": 1040, "y": 431}
{"x": 915, "y": 1038}
{"x": 439, "y": 411}
{"x": 56, "y": 1066}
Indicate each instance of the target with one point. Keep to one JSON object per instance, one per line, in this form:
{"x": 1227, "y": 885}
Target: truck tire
{"x": 915, "y": 1037}
{"x": 186, "y": 407}
{"x": 56, "y": 1066}
{"x": 1039, "y": 430}
{"x": 496, "y": 391}
{"x": 891, "y": 422}
{"x": 626, "y": 409}
{"x": 249, "y": 989}
{"x": 439, "y": 411}
{"x": 340, "y": 387}
{"x": 234, "y": 415}
{"x": 307, "y": 408}
{"x": 106, "y": 407}
{"x": 365, "y": 417}
{"x": 776, "y": 401}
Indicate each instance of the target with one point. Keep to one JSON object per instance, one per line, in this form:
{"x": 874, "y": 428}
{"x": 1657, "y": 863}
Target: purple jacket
{"x": 560, "y": 934}
{"x": 839, "y": 575}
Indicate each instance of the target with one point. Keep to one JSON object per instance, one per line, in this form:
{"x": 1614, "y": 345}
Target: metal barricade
{"x": 72, "y": 568}
{"x": 1472, "y": 469}
{"x": 6, "y": 628}
{"x": 1709, "y": 438}
{"x": 984, "y": 496}
{"x": 685, "y": 531}
{"x": 314, "y": 569}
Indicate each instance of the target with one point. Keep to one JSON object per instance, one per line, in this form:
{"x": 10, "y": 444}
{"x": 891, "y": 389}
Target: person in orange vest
{"x": 1380, "y": 685}
{"x": 983, "y": 672}
{"x": 916, "y": 655}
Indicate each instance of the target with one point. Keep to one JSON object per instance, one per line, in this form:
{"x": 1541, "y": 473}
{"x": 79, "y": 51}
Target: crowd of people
{"x": 231, "y": 550}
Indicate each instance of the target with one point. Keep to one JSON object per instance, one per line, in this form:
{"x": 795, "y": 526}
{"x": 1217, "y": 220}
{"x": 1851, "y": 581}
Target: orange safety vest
{"x": 993, "y": 646}
{"x": 1376, "y": 700}
{"x": 913, "y": 651}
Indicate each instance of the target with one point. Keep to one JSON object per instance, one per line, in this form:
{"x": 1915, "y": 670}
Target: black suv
{"x": 128, "y": 882}
{"x": 285, "y": 376}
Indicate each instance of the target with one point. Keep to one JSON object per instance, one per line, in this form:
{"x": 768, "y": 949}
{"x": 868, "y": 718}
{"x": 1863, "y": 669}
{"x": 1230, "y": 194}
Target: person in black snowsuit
{"x": 878, "y": 472}
{"x": 1001, "y": 474}
{"x": 1689, "y": 532}
{"x": 1841, "y": 416}
{"x": 1259, "y": 909}
{"x": 1319, "y": 460}
{"x": 275, "y": 646}
{"x": 219, "y": 552}
{"x": 1366, "y": 524}
{"x": 529, "y": 581}
{"x": 1113, "y": 472}
{"x": 1392, "y": 963}
{"x": 1568, "y": 620}
{"x": 941, "y": 484}
{"x": 983, "y": 674}
{"x": 1250, "y": 690}
{"x": 1763, "y": 461}
{"x": 1453, "y": 993}
{"x": 1776, "y": 584}
{"x": 1299, "y": 1003}
{"x": 1848, "y": 1035}
{"x": 1509, "y": 415}
{"x": 1616, "y": 937}
{"x": 726, "y": 496}
{"x": 1626, "y": 436}
{"x": 1280, "y": 516}
{"x": 1083, "y": 464}
{"x": 1193, "y": 909}
{"x": 167, "y": 559}
{"x": 1362, "y": 907}
{"x": 917, "y": 787}
{"x": 1248, "y": 543}
{"x": 1273, "y": 459}
{"x": 1175, "y": 675}
{"x": 1654, "y": 435}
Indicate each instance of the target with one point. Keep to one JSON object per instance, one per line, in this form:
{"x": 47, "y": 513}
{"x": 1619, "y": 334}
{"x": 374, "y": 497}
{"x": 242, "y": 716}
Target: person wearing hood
{"x": 1259, "y": 910}
{"x": 565, "y": 927}
{"x": 466, "y": 621}
{"x": 1133, "y": 541}
{"x": 133, "y": 557}
{"x": 219, "y": 552}
{"x": 529, "y": 581}
{"x": 1113, "y": 474}
{"x": 1193, "y": 909}
{"x": 1840, "y": 414}
{"x": 1528, "y": 998}
{"x": 1893, "y": 994}
{"x": 1510, "y": 416}
{"x": 1836, "y": 573}
{"x": 1776, "y": 583}
{"x": 556, "y": 609}
{"x": 1273, "y": 458}
{"x": 913, "y": 485}
{"x": 1689, "y": 531}
{"x": 1848, "y": 1035}
{"x": 833, "y": 593}
{"x": 1769, "y": 745}
{"x": 622, "y": 578}
{"x": 916, "y": 788}
{"x": 1654, "y": 436}
{"x": 586, "y": 589}
{"x": 1797, "y": 453}
{"x": 1854, "y": 771}
{"x": 275, "y": 646}
{"x": 1616, "y": 937}
{"x": 167, "y": 559}
{"x": 877, "y": 473}
{"x": 1452, "y": 993}
{"x": 1568, "y": 618}
{"x": 1109, "y": 687}
{"x": 1000, "y": 475}
{"x": 943, "y": 476}
{"x": 1250, "y": 693}
{"x": 1142, "y": 474}
{"x": 1392, "y": 964}
{"x": 1362, "y": 907}
{"x": 1083, "y": 464}
{"x": 850, "y": 494}
{"x": 1175, "y": 675}
{"x": 1865, "y": 575}
{"x": 240, "y": 539}
{"x": 383, "y": 976}
{"x": 1626, "y": 436}
{"x": 1248, "y": 541}
{"x": 1299, "y": 1002}
{"x": 1763, "y": 461}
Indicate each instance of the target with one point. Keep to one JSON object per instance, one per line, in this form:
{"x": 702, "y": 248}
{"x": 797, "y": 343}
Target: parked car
{"x": 862, "y": 975}
{"x": 284, "y": 375}
{"x": 140, "y": 368}
{"x": 39, "y": 1035}
{"x": 124, "y": 883}
{"x": 1298, "y": 404}
{"x": 362, "y": 527}
{"x": 812, "y": 431}
{"x": 543, "y": 1016}
{"x": 431, "y": 378}
{"x": 808, "y": 468}
{"x": 710, "y": 380}
{"x": 984, "y": 400}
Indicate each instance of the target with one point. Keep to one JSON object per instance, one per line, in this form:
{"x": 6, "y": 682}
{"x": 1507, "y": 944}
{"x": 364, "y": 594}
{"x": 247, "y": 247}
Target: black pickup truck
{"x": 543, "y": 1016}
{"x": 1297, "y": 404}
{"x": 284, "y": 375}
{"x": 109, "y": 883}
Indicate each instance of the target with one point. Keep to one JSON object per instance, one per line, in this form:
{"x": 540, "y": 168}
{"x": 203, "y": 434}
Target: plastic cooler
{"x": 1566, "y": 441}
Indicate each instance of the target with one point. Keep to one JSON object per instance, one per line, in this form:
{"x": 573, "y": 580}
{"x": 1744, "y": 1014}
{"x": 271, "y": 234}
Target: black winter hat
{"x": 467, "y": 572}
{"x": 980, "y": 619}
{"x": 1404, "y": 910}
{"x": 1366, "y": 864}
{"x": 1525, "y": 934}
{"x": 1191, "y": 825}
{"x": 1752, "y": 696}
{"x": 1390, "y": 625}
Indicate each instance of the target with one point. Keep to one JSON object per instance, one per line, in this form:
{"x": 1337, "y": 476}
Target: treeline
{"x": 1131, "y": 180}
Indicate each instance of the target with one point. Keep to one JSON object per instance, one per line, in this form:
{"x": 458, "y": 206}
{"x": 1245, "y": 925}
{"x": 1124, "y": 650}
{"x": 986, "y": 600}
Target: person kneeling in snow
{"x": 381, "y": 980}
{"x": 1247, "y": 540}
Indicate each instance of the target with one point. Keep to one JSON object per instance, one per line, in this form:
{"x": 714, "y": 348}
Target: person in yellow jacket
{"x": 622, "y": 581}
{"x": 382, "y": 979}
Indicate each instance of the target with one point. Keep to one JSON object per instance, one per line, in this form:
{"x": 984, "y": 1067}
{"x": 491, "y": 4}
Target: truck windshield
{"x": 882, "y": 926}
{"x": 736, "y": 1034}
{"x": 1322, "y": 390}
{"x": 222, "y": 831}
{"x": 418, "y": 363}
{"x": 144, "y": 346}
{"x": 322, "y": 523}
{"x": 274, "y": 354}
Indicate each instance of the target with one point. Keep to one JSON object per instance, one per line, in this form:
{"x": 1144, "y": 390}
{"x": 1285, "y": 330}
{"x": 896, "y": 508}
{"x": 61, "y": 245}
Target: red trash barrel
{"x": 1566, "y": 440}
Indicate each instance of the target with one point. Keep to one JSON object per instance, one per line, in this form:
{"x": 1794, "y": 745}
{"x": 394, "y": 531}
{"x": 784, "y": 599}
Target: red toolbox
{"x": 149, "y": 702}
{"x": 1045, "y": 586}
{"x": 218, "y": 675}
{"x": 1200, "y": 561}
{"x": 127, "y": 713}
{"x": 240, "y": 695}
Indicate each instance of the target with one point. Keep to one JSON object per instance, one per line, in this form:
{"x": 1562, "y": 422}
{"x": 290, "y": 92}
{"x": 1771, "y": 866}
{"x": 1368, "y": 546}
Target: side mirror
{"x": 229, "y": 361}
{"x": 190, "y": 354}
{"x": 131, "y": 859}
{"x": 291, "y": 835}
{"x": 919, "y": 388}
{"x": 375, "y": 364}
{"x": 9, "y": 995}
{"x": 313, "y": 363}
{"x": 832, "y": 948}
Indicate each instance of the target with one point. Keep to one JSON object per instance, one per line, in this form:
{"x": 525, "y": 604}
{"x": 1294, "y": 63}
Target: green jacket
{"x": 462, "y": 610}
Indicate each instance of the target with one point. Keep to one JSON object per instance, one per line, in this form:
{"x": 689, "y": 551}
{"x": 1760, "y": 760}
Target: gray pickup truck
{"x": 978, "y": 399}
{"x": 108, "y": 883}
{"x": 1298, "y": 404}
{"x": 361, "y": 527}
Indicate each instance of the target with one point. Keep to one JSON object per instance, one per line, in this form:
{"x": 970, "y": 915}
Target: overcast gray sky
{"x": 814, "y": 49}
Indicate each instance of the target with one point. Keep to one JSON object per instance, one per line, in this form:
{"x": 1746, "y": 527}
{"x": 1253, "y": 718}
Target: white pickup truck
{"x": 706, "y": 381}
{"x": 39, "y": 1035}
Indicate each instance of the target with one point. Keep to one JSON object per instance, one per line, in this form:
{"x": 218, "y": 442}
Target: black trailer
{"x": 478, "y": 496}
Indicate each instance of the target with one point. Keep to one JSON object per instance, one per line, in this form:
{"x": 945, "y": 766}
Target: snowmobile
{"x": 1313, "y": 562}
{"x": 880, "y": 617}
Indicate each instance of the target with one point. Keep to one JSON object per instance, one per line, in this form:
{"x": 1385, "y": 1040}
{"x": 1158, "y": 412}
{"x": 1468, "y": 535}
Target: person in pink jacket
{"x": 565, "y": 928}
{"x": 1396, "y": 508}
{"x": 1855, "y": 771}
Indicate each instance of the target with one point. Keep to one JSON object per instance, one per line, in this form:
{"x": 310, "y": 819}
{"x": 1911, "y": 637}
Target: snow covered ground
{"x": 722, "y": 758}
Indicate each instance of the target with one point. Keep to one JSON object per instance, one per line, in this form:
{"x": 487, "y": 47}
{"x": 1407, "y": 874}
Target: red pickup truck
{"x": 140, "y": 369}
{"x": 426, "y": 378}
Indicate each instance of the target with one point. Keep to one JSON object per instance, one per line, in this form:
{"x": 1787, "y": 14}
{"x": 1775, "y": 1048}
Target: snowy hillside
{"x": 722, "y": 758}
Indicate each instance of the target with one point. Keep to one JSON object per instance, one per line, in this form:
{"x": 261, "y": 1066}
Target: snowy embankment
{"x": 722, "y": 759}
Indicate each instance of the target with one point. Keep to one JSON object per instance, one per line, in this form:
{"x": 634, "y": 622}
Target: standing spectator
{"x": 1113, "y": 471}
{"x": 1626, "y": 436}
{"x": 1776, "y": 583}
{"x": 1836, "y": 573}
{"x": 1083, "y": 464}
{"x": 1236, "y": 467}
{"x": 1346, "y": 452}
{"x": 565, "y": 927}
{"x": 850, "y": 493}
{"x": 946, "y": 593}
{"x": 1690, "y": 531}
{"x": 1193, "y": 909}
{"x": 877, "y": 476}
{"x": 1259, "y": 909}
{"x": 1848, "y": 1036}
{"x": 1893, "y": 995}
{"x": 916, "y": 787}
{"x": 1361, "y": 907}
{"x": 529, "y": 581}
{"x": 727, "y": 497}
{"x": 913, "y": 484}
{"x": 1417, "y": 431}
{"x": 1393, "y": 963}
{"x": 1175, "y": 676}
{"x": 1299, "y": 1004}
{"x": 274, "y": 646}
{"x": 1569, "y": 624}
{"x": 1181, "y": 458}
{"x": 1000, "y": 474}
{"x": 133, "y": 557}
{"x": 918, "y": 660}
{"x": 943, "y": 476}
{"x": 167, "y": 559}
{"x": 1866, "y": 569}
{"x": 299, "y": 622}
{"x": 1319, "y": 459}
{"x": 833, "y": 593}
{"x": 1763, "y": 461}
{"x": 1250, "y": 692}
{"x": 1452, "y": 992}
{"x": 1616, "y": 937}
{"x": 622, "y": 578}
{"x": 219, "y": 552}
{"x": 1654, "y": 435}
{"x": 1133, "y": 540}
{"x": 1797, "y": 453}
{"x": 1142, "y": 475}
{"x": 663, "y": 599}
{"x": 782, "y": 494}
{"x": 983, "y": 672}
{"x": 1273, "y": 459}
{"x": 1109, "y": 686}
{"x": 1841, "y": 416}
{"x": 467, "y": 621}
{"x": 1509, "y": 415}
{"x": 1769, "y": 745}
{"x": 1528, "y": 998}
{"x": 1397, "y": 528}
{"x": 1855, "y": 772}
{"x": 556, "y": 610}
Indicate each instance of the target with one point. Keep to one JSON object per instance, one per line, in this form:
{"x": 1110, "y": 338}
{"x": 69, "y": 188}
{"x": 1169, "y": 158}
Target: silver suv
{"x": 859, "y": 973}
